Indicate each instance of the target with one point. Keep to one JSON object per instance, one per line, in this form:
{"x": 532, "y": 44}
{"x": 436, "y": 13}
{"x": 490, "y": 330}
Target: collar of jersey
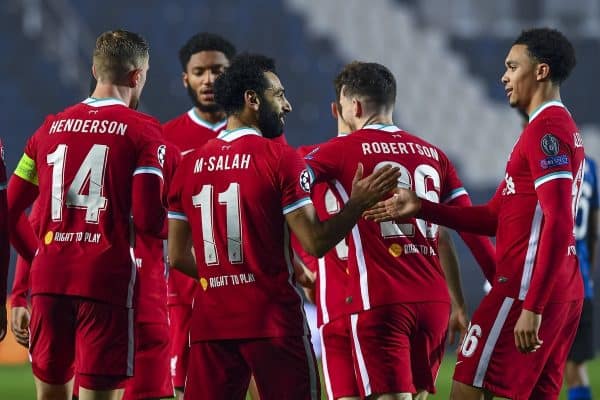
{"x": 545, "y": 105}
{"x": 382, "y": 127}
{"x": 230, "y": 136}
{"x": 196, "y": 118}
{"x": 107, "y": 101}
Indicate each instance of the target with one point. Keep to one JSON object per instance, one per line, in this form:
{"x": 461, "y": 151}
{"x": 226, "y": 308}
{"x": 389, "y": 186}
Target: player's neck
{"x": 543, "y": 95}
{"x": 210, "y": 117}
{"x": 104, "y": 91}
{"x": 238, "y": 121}
{"x": 376, "y": 119}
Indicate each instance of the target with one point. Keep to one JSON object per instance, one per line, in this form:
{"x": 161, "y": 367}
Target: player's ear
{"x": 251, "y": 100}
{"x": 184, "y": 79}
{"x": 334, "y": 110}
{"x": 133, "y": 77}
{"x": 542, "y": 72}
{"x": 94, "y": 73}
{"x": 357, "y": 108}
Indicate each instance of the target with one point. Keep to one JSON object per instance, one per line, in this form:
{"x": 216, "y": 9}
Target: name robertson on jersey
{"x": 399, "y": 148}
{"x": 73, "y": 125}
{"x": 222, "y": 163}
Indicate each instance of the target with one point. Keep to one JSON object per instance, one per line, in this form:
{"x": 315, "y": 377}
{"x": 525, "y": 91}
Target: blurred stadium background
{"x": 447, "y": 57}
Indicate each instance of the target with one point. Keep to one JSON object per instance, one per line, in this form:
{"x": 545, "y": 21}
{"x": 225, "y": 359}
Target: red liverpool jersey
{"x": 235, "y": 192}
{"x": 151, "y": 286}
{"x": 549, "y": 148}
{"x": 188, "y": 132}
{"x": 84, "y": 160}
{"x": 389, "y": 262}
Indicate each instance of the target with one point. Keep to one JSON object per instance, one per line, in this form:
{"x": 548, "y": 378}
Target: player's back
{"x": 234, "y": 191}
{"x": 388, "y": 262}
{"x": 86, "y": 157}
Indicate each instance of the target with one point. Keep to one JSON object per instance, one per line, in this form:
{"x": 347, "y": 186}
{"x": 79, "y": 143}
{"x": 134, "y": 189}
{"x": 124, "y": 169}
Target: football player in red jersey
{"x": 397, "y": 302}
{"x": 203, "y": 58}
{"x": 522, "y": 331}
{"x": 234, "y": 197}
{"x": 96, "y": 169}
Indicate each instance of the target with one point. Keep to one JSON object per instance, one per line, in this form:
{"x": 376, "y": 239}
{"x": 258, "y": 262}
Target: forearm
{"x": 186, "y": 263}
{"x": 450, "y": 266}
{"x": 481, "y": 220}
{"x": 20, "y": 289}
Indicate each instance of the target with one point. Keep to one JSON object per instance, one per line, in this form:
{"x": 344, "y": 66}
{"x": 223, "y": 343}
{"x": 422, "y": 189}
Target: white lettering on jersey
{"x": 510, "y": 186}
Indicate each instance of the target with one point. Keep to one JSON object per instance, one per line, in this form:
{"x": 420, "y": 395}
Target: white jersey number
{"x": 230, "y": 198}
{"x": 421, "y": 181}
{"x": 471, "y": 341}
{"x": 332, "y": 205}
{"x": 90, "y": 174}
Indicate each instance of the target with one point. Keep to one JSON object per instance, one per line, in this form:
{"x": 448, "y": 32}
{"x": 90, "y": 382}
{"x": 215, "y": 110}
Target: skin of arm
{"x": 318, "y": 237}
{"x": 458, "y": 323}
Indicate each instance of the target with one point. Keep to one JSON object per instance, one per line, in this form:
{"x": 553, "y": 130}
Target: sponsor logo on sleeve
{"x": 305, "y": 180}
{"x": 160, "y": 154}
{"x": 554, "y": 161}
{"x": 550, "y": 145}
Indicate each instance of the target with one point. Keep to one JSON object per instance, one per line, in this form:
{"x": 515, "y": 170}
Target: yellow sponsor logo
{"x": 48, "y": 237}
{"x": 203, "y": 283}
{"x": 395, "y": 250}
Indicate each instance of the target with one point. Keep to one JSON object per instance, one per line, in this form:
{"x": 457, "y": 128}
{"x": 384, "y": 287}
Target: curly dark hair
{"x": 551, "y": 47}
{"x": 246, "y": 72}
{"x": 371, "y": 80}
{"x": 205, "y": 41}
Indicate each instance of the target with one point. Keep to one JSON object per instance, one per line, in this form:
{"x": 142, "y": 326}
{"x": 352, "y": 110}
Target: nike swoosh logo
{"x": 183, "y": 153}
{"x": 458, "y": 362}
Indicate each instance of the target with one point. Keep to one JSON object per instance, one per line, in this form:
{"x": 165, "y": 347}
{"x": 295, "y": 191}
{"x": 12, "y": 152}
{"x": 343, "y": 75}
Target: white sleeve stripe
{"x": 550, "y": 177}
{"x": 176, "y": 215}
{"x": 296, "y": 205}
{"x": 148, "y": 170}
{"x": 455, "y": 193}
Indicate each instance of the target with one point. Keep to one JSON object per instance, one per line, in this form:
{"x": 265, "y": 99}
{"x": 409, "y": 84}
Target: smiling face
{"x": 520, "y": 78}
{"x": 201, "y": 71}
{"x": 273, "y": 107}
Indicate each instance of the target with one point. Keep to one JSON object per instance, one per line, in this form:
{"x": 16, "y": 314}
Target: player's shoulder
{"x": 551, "y": 118}
{"x": 175, "y": 122}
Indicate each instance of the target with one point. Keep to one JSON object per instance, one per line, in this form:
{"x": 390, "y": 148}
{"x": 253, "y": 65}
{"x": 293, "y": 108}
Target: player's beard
{"x": 207, "y": 108}
{"x": 269, "y": 121}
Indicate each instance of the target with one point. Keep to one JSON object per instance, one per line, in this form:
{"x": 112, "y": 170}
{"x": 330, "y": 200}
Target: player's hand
{"x": 304, "y": 276}
{"x": 20, "y": 325}
{"x": 526, "y": 332}
{"x": 3, "y": 321}
{"x": 457, "y": 325}
{"x": 368, "y": 191}
{"x": 403, "y": 204}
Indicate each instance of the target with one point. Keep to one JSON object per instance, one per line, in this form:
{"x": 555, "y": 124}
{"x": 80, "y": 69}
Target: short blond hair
{"x": 117, "y": 53}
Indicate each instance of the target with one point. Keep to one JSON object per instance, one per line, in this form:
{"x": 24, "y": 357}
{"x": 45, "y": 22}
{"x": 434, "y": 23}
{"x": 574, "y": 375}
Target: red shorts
{"x": 152, "y": 378}
{"x": 283, "y": 368}
{"x": 336, "y": 356}
{"x": 489, "y": 359}
{"x": 398, "y": 348}
{"x": 180, "y": 317}
{"x": 103, "y": 334}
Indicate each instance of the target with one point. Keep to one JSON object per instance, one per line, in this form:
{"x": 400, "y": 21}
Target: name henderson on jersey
{"x": 75, "y": 125}
{"x": 222, "y": 162}
{"x": 399, "y": 148}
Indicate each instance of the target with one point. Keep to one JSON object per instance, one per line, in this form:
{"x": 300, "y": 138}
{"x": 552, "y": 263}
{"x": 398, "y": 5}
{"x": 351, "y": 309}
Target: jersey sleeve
{"x": 324, "y": 161}
{"x": 294, "y": 181}
{"x": 452, "y": 187}
{"x": 147, "y": 192}
{"x": 175, "y": 201}
{"x": 551, "y": 163}
{"x": 549, "y": 157}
